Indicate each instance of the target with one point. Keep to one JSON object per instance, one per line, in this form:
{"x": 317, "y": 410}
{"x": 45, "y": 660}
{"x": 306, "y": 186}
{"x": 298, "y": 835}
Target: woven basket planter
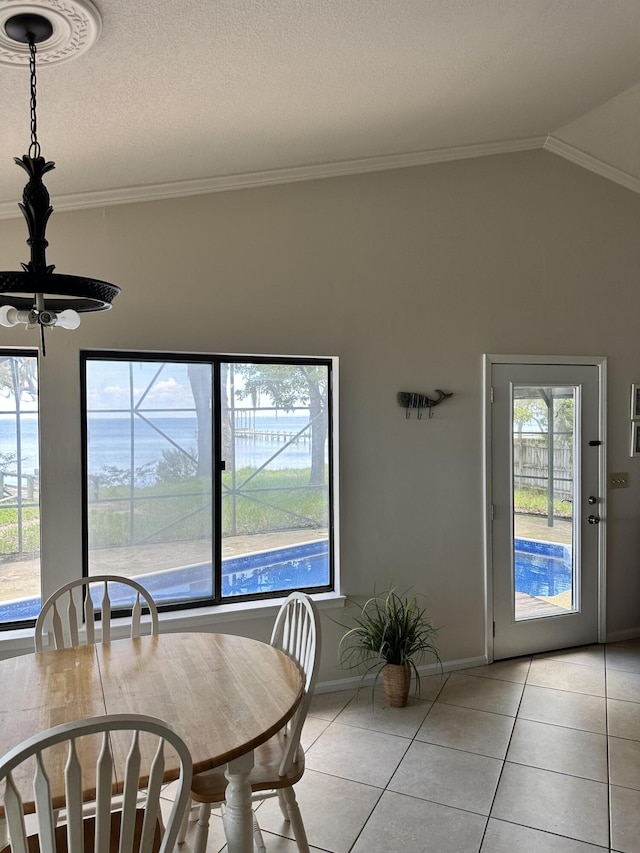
{"x": 396, "y": 680}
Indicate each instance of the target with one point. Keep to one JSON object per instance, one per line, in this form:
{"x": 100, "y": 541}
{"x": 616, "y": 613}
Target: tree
{"x": 290, "y": 387}
{"x": 535, "y": 410}
{"x": 19, "y": 377}
{"x": 529, "y": 411}
{"x": 200, "y": 379}
{"x": 18, "y": 380}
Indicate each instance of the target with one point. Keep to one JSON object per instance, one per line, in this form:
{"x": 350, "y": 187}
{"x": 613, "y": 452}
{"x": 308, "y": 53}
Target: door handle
{"x": 594, "y": 519}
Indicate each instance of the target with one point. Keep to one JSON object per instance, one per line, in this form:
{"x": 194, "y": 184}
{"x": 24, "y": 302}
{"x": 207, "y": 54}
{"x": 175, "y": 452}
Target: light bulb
{"x": 68, "y": 319}
{"x": 10, "y": 316}
{"x": 7, "y": 315}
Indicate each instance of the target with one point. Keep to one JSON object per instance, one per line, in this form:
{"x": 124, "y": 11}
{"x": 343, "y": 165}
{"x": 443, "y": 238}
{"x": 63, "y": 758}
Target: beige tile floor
{"x": 534, "y": 755}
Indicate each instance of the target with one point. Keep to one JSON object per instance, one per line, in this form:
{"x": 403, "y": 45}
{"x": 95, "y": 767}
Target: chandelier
{"x": 37, "y": 296}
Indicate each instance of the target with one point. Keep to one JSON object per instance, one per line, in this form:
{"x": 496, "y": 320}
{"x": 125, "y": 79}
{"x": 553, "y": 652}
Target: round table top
{"x": 224, "y": 694}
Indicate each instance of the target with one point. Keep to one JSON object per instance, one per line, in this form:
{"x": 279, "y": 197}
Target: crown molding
{"x": 248, "y": 180}
{"x": 587, "y": 161}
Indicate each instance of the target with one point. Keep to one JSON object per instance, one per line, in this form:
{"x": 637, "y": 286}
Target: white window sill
{"x": 205, "y": 617}
{"x": 19, "y": 642}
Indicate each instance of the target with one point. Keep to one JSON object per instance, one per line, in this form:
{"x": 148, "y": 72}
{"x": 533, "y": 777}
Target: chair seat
{"x": 210, "y": 787}
{"x": 89, "y": 833}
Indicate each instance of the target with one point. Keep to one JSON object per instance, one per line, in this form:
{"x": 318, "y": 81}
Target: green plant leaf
{"x": 388, "y": 628}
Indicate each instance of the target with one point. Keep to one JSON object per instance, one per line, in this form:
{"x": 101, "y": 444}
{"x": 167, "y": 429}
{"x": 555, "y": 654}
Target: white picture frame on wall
{"x": 635, "y": 438}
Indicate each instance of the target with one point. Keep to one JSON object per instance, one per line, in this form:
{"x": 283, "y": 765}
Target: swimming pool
{"x": 301, "y": 566}
{"x": 542, "y": 568}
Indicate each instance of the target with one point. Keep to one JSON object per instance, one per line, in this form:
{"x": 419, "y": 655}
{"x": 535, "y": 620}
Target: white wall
{"x": 408, "y": 276}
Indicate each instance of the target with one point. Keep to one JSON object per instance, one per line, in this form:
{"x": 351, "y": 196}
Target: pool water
{"x": 297, "y": 567}
{"x": 542, "y": 568}
{"x": 303, "y": 566}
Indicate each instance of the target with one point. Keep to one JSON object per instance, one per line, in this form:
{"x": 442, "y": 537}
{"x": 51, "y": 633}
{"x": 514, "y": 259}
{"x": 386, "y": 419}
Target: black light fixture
{"x": 37, "y": 296}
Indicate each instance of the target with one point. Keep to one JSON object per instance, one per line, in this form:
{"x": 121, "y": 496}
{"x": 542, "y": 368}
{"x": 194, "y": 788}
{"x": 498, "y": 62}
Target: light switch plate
{"x": 619, "y": 480}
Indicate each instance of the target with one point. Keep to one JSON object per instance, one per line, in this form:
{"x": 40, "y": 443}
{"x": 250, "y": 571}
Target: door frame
{"x": 600, "y": 362}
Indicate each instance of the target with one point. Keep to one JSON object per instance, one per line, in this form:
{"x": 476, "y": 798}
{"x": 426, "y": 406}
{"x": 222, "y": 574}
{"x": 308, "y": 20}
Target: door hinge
{"x": 494, "y": 629}
{"x": 492, "y": 512}
{"x": 491, "y": 394}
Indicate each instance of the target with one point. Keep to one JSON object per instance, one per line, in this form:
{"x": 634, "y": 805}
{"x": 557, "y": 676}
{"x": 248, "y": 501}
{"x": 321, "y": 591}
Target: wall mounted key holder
{"x": 412, "y": 400}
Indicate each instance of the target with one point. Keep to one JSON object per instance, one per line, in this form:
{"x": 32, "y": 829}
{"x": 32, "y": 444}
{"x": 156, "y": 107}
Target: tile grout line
{"x": 411, "y": 742}
{"x": 504, "y": 760}
{"x": 373, "y": 808}
{"x": 606, "y": 729}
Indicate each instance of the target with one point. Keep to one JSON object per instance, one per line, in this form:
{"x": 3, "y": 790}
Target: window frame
{"x": 215, "y": 360}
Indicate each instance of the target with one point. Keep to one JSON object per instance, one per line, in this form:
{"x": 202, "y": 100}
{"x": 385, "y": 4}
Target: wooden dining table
{"x": 224, "y": 694}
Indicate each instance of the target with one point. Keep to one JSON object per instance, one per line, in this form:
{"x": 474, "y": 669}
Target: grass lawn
{"x": 182, "y": 509}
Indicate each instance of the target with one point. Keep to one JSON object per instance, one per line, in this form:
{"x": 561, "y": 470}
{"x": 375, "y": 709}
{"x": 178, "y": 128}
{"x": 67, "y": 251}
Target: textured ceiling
{"x": 180, "y": 97}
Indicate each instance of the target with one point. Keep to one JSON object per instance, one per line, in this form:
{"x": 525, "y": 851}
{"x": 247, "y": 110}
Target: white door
{"x": 547, "y": 528}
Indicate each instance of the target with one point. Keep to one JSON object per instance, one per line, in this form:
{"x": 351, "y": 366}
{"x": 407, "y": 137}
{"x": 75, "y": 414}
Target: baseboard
{"x": 627, "y": 634}
{"x": 352, "y": 682}
{"x": 462, "y": 663}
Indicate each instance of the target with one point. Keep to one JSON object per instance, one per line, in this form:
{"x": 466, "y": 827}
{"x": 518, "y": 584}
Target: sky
{"x": 151, "y": 385}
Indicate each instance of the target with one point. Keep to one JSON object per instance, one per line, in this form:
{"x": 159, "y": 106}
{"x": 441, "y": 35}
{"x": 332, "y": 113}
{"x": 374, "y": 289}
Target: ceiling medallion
{"x": 36, "y": 296}
{"x": 76, "y": 25}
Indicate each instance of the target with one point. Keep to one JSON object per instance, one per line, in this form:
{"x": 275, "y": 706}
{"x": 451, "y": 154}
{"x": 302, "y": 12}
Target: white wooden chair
{"x": 68, "y": 616}
{"x": 77, "y": 758}
{"x": 279, "y": 763}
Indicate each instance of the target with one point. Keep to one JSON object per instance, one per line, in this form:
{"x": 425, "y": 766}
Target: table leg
{"x": 238, "y": 814}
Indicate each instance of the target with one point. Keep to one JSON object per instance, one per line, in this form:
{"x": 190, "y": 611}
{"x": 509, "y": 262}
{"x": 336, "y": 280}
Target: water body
{"x": 110, "y": 442}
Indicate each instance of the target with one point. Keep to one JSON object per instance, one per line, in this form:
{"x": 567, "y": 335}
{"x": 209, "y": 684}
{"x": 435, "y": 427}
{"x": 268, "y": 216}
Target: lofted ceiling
{"x": 185, "y": 97}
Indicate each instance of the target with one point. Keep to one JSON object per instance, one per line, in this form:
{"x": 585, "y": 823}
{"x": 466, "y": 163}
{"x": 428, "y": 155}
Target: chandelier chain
{"x": 34, "y": 148}
{"x": 57, "y": 299}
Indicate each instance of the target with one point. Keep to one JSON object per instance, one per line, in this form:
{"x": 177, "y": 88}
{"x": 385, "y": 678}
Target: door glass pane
{"x": 276, "y": 483}
{"x": 19, "y": 489}
{"x": 149, "y": 484}
{"x": 544, "y": 497}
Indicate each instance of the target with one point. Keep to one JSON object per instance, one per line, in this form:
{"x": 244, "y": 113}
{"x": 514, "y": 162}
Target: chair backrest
{"x": 68, "y": 616}
{"x": 297, "y": 633}
{"x": 67, "y": 764}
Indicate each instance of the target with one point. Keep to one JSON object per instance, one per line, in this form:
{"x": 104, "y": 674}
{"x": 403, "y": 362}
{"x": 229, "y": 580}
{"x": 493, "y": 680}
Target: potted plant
{"x": 391, "y": 635}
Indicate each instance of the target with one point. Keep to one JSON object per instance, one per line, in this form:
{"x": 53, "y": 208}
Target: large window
{"x": 209, "y": 479}
{"x": 19, "y": 488}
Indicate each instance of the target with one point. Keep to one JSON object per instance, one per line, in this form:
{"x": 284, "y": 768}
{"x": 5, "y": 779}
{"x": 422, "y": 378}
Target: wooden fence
{"x": 9, "y": 492}
{"x": 531, "y": 464}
